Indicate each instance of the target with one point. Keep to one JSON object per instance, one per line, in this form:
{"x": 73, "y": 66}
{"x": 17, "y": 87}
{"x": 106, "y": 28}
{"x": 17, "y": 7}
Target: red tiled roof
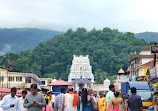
{"x": 6, "y": 90}
{"x": 141, "y": 56}
{"x": 60, "y": 82}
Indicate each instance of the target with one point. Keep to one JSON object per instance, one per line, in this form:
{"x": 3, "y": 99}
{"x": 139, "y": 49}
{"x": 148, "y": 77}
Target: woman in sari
{"x": 48, "y": 102}
{"x": 101, "y": 102}
{"x": 116, "y": 104}
{"x": 88, "y": 102}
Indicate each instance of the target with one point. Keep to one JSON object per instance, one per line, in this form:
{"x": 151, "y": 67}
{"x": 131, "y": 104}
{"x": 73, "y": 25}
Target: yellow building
{"x": 3, "y": 72}
{"x": 144, "y": 56}
{"x": 142, "y": 70}
{"x": 44, "y": 83}
{"x": 17, "y": 79}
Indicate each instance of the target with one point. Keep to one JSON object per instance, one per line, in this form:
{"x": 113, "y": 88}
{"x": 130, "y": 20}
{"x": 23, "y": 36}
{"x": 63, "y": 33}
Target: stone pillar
{"x": 85, "y": 85}
{"x": 92, "y": 85}
{"x": 106, "y": 84}
{"x": 76, "y": 87}
{"x": 50, "y": 88}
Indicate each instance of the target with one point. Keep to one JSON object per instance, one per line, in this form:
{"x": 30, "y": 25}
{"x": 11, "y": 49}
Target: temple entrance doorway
{"x": 80, "y": 86}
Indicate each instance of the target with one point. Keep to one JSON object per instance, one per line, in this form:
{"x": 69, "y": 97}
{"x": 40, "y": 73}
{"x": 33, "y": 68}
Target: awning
{"x": 30, "y": 75}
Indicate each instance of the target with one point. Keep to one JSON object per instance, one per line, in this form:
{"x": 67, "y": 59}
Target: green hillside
{"x": 148, "y": 36}
{"x": 108, "y": 51}
{"x": 20, "y": 39}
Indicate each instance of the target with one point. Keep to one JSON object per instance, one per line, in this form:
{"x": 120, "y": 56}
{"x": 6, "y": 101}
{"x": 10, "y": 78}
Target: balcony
{"x": 131, "y": 67}
{"x": 137, "y": 65}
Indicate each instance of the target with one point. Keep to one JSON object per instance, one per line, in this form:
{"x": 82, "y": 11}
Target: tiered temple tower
{"x": 81, "y": 73}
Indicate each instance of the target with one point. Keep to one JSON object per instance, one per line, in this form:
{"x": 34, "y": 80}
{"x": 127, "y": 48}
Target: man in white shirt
{"x": 21, "y": 100}
{"x": 11, "y": 102}
{"x": 0, "y": 105}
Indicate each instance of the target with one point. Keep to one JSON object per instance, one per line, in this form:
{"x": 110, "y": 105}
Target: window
{"x": 1, "y": 78}
{"x": 28, "y": 79}
{"x": 18, "y": 78}
{"x": 11, "y": 78}
{"x": 145, "y": 95}
{"x": 43, "y": 83}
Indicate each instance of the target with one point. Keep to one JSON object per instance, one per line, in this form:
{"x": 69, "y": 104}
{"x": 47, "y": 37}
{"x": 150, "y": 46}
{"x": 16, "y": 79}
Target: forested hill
{"x": 20, "y": 39}
{"x": 108, "y": 50}
{"x": 148, "y": 36}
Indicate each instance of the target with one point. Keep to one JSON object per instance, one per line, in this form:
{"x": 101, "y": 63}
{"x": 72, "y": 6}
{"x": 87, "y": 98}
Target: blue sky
{"x": 124, "y": 15}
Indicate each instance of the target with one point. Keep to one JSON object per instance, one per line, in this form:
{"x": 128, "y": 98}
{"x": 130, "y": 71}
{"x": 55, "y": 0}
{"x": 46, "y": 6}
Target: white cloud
{"x": 7, "y": 48}
{"x": 125, "y": 15}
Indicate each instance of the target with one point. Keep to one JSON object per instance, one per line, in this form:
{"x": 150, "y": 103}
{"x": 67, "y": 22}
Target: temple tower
{"x": 81, "y": 73}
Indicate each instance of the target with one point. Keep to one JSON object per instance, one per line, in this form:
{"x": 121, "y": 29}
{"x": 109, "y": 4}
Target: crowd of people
{"x": 85, "y": 100}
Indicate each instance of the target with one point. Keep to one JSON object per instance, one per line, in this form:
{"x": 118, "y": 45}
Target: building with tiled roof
{"x": 142, "y": 70}
{"x": 60, "y": 82}
{"x": 144, "y": 56}
{"x": 17, "y": 79}
{"x": 56, "y": 85}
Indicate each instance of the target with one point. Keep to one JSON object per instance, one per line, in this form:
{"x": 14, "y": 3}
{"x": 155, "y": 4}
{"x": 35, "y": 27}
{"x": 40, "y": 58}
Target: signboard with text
{"x": 152, "y": 72}
{"x": 81, "y": 80}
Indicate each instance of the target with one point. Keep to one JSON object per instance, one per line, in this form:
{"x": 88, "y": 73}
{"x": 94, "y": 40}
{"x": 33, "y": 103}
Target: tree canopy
{"x": 108, "y": 50}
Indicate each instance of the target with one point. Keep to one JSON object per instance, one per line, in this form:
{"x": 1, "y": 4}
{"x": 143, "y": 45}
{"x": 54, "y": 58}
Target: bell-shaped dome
{"x": 121, "y": 71}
